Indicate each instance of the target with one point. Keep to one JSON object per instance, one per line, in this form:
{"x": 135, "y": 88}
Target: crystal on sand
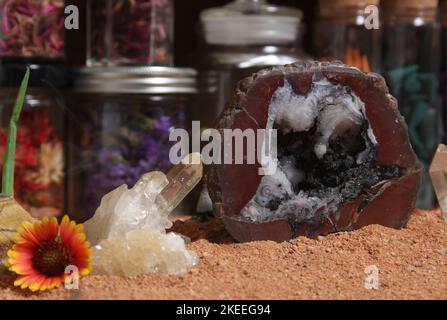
{"x": 438, "y": 174}
{"x": 128, "y": 230}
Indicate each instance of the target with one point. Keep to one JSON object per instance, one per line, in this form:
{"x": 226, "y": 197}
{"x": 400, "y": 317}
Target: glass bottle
{"x": 123, "y": 32}
{"x": 239, "y": 39}
{"x": 342, "y": 32}
{"x": 39, "y": 180}
{"x": 32, "y": 29}
{"x": 443, "y": 77}
{"x": 411, "y": 67}
{"x": 119, "y": 128}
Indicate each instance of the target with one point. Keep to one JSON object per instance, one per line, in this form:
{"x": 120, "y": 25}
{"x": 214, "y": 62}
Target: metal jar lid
{"x": 142, "y": 80}
{"x": 250, "y": 30}
{"x": 11, "y": 75}
{"x": 244, "y": 22}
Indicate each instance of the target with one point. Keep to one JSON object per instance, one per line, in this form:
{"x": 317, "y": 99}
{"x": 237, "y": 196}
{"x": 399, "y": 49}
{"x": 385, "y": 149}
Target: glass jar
{"x": 124, "y": 32}
{"x": 411, "y": 67}
{"x": 39, "y": 178}
{"x": 341, "y": 34}
{"x": 444, "y": 65}
{"x": 120, "y": 128}
{"x": 32, "y": 29}
{"x": 239, "y": 39}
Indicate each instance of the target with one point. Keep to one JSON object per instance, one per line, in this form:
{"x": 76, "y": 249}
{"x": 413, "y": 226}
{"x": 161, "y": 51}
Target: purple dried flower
{"x": 164, "y": 123}
{"x": 126, "y": 159}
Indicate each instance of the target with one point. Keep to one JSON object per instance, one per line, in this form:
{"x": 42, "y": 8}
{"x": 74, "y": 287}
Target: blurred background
{"x": 186, "y": 27}
{"x": 112, "y": 78}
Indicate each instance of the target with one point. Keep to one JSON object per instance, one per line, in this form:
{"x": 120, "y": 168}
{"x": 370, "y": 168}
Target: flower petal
{"x": 32, "y": 241}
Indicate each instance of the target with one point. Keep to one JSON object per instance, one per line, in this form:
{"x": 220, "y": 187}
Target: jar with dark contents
{"x": 342, "y": 32}
{"x": 123, "y": 32}
{"x": 443, "y": 77}
{"x": 411, "y": 68}
{"x": 119, "y": 128}
{"x": 39, "y": 178}
{"x": 32, "y": 29}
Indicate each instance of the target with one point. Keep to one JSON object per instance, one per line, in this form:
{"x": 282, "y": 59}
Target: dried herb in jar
{"x": 39, "y": 163}
{"x": 341, "y": 34}
{"x": 31, "y": 28}
{"x": 355, "y": 58}
{"x": 131, "y": 32}
{"x": 411, "y": 68}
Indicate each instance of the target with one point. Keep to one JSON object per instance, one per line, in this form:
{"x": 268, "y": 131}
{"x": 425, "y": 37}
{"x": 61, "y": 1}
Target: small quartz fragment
{"x": 204, "y": 204}
{"x": 438, "y": 174}
{"x": 128, "y": 230}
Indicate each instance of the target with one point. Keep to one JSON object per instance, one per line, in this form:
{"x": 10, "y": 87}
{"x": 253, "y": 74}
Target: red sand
{"x": 412, "y": 264}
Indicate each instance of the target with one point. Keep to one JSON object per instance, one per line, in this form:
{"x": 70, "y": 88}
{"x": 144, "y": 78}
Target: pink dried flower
{"x": 32, "y": 28}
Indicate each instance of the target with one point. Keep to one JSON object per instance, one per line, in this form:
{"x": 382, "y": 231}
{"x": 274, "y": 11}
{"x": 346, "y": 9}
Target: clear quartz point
{"x": 182, "y": 178}
{"x": 438, "y": 174}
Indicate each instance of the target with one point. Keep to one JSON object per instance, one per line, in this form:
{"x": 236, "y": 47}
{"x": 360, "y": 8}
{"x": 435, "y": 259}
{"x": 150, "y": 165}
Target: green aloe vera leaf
{"x": 8, "y": 160}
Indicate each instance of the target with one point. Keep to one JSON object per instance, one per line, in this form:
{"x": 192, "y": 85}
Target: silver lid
{"x": 251, "y": 22}
{"x": 251, "y": 30}
{"x": 148, "y": 80}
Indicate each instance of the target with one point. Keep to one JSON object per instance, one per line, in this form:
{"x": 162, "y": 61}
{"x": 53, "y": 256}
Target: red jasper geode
{"x": 344, "y": 156}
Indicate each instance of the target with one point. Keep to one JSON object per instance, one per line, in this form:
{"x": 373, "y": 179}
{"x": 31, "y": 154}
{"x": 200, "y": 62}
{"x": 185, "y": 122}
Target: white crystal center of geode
{"x": 337, "y": 108}
{"x": 325, "y": 113}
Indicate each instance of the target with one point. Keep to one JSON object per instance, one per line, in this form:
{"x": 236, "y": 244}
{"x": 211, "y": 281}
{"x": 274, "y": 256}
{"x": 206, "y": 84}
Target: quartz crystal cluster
{"x": 128, "y": 230}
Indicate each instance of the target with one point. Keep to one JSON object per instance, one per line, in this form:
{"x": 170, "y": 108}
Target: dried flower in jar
{"x": 39, "y": 165}
{"x": 131, "y": 32}
{"x": 31, "y": 28}
{"x": 354, "y": 57}
{"x": 121, "y": 154}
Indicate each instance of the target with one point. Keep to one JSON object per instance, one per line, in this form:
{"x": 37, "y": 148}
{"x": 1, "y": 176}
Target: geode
{"x": 344, "y": 159}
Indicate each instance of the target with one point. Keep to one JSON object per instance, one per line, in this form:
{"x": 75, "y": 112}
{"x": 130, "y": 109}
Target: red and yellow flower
{"x": 42, "y": 251}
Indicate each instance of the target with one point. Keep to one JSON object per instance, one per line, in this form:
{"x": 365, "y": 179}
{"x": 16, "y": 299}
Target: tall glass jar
{"x": 411, "y": 66}
{"x": 125, "y": 32}
{"x": 31, "y": 29}
{"x": 443, "y": 78}
{"x": 240, "y": 39}
{"x": 39, "y": 179}
{"x": 120, "y": 128}
{"x": 341, "y": 34}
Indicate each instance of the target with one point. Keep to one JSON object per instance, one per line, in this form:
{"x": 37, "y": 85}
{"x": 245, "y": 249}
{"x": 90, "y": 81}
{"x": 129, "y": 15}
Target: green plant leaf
{"x": 8, "y": 160}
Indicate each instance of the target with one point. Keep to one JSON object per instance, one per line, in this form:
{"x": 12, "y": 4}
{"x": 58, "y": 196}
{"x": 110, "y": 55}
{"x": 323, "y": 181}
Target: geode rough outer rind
{"x": 389, "y": 202}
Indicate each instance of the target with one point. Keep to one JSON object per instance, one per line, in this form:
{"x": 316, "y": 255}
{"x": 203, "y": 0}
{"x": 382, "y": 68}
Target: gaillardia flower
{"x": 43, "y": 250}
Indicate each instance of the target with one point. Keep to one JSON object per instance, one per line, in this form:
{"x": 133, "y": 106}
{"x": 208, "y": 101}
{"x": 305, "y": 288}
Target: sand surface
{"x": 412, "y": 264}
